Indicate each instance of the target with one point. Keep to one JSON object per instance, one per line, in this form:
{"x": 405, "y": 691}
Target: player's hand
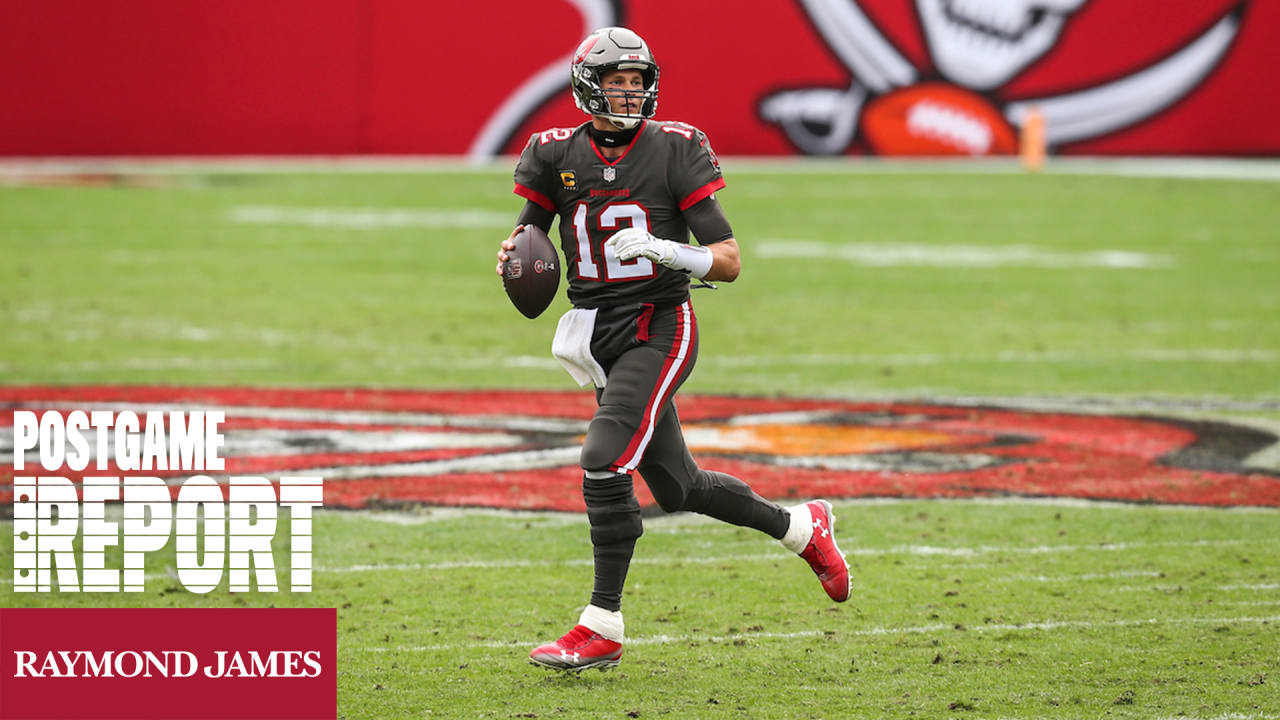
{"x": 634, "y": 242}
{"x": 508, "y": 244}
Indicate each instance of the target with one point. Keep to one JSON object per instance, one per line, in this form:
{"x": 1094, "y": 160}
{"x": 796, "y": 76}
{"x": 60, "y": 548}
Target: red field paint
{"x": 519, "y": 450}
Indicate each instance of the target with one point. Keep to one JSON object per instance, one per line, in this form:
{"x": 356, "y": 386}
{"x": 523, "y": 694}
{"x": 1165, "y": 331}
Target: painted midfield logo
{"x": 520, "y": 449}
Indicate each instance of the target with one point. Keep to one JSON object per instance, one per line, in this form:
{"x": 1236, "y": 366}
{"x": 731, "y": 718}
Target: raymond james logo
{"x": 127, "y": 663}
{"x": 212, "y": 532}
{"x": 166, "y": 663}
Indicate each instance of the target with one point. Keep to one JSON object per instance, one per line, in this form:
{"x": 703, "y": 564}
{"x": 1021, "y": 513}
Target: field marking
{"x": 174, "y": 362}
{"x": 1185, "y": 588}
{"x": 862, "y": 632}
{"x": 527, "y": 423}
{"x": 770, "y": 557}
{"x": 949, "y": 256}
{"x": 695, "y": 522}
{"x": 1190, "y": 168}
{"x": 1169, "y": 355}
{"x": 1216, "y": 356}
{"x": 923, "y": 550}
{"x": 369, "y": 218}
{"x": 1077, "y": 578}
{"x": 1227, "y": 716}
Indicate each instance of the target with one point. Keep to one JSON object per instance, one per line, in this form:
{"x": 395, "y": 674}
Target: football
{"x": 531, "y": 274}
{"x": 937, "y": 119}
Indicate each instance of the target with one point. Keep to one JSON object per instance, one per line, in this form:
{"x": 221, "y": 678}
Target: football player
{"x": 627, "y": 191}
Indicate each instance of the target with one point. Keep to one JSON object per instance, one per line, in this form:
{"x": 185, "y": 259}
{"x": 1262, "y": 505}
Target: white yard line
{"x": 919, "y": 550}
{"x": 1012, "y": 357}
{"x": 1047, "y": 625}
{"x": 369, "y": 218}
{"x": 950, "y": 256}
{"x": 1166, "y": 588}
{"x": 1079, "y": 578}
{"x": 697, "y": 523}
{"x": 1210, "y": 356}
{"x": 1227, "y": 716}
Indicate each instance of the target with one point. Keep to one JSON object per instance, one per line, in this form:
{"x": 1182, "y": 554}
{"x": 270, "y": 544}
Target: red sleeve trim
{"x": 532, "y": 195}
{"x": 702, "y": 193}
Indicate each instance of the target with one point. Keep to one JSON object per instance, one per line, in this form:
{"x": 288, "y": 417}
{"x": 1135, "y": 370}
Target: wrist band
{"x": 696, "y": 260}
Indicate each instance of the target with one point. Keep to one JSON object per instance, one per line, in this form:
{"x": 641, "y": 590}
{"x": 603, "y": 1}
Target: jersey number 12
{"x": 615, "y": 270}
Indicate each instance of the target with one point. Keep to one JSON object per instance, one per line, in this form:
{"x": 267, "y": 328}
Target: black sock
{"x": 614, "y": 514}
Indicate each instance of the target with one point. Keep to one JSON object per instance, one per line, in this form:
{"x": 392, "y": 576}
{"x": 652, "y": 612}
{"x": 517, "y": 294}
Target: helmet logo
{"x": 585, "y": 48}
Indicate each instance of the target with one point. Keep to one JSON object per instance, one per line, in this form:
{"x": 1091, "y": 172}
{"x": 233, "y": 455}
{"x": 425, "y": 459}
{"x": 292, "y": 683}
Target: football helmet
{"x": 613, "y": 48}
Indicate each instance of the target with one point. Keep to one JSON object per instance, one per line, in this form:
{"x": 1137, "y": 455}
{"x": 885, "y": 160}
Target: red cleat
{"x": 580, "y": 649}
{"x": 824, "y": 557}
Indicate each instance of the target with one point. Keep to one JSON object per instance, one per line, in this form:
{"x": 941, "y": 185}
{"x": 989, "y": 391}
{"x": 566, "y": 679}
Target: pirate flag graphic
{"x": 977, "y": 47}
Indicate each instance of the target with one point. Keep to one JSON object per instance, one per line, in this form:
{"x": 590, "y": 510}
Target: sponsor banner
{"x": 520, "y": 450}
{"x": 826, "y": 77}
{"x": 168, "y": 663}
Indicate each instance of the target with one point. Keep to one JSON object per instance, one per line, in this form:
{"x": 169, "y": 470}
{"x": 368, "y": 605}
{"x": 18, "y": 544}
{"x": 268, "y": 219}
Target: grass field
{"x": 180, "y": 283}
{"x": 965, "y": 609}
{"x": 861, "y": 282}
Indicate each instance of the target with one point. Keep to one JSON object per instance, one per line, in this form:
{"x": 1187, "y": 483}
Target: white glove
{"x": 634, "y": 242}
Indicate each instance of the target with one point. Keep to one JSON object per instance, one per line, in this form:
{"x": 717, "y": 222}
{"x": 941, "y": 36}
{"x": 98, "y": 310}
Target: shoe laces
{"x": 576, "y": 637}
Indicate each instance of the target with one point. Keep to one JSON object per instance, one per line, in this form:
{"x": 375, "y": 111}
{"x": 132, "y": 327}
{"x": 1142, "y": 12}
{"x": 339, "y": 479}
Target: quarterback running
{"x": 627, "y": 191}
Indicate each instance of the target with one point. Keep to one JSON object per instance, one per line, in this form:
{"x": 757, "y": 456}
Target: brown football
{"x": 531, "y": 273}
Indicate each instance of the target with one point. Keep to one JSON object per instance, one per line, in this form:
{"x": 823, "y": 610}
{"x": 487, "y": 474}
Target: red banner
{"x": 789, "y": 76}
{"x": 168, "y": 663}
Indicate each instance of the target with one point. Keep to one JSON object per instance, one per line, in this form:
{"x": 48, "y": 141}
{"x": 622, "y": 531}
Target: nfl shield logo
{"x": 610, "y": 173}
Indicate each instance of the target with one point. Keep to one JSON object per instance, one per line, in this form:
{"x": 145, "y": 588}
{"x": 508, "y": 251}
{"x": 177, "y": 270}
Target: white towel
{"x": 572, "y": 346}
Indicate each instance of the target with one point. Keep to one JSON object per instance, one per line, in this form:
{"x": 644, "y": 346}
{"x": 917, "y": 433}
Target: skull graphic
{"x": 981, "y": 44}
{"x": 978, "y": 47}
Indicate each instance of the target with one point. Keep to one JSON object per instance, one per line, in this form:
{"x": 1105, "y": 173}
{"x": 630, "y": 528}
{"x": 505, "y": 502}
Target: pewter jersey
{"x": 668, "y": 168}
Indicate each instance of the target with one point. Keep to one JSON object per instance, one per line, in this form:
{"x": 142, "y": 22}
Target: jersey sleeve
{"x": 531, "y": 177}
{"x": 696, "y": 170}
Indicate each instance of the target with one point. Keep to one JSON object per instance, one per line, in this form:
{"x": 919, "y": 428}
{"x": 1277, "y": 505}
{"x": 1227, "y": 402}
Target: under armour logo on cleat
{"x": 565, "y": 656}
{"x": 817, "y": 525}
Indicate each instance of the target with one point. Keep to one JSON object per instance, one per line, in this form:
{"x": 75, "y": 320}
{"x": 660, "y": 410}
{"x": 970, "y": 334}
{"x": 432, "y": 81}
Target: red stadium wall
{"x": 780, "y": 77}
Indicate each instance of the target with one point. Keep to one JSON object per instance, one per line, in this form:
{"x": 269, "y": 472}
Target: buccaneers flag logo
{"x": 976, "y": 47}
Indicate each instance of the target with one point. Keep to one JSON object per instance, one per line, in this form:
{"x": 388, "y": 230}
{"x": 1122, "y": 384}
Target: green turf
{"x": 960, "y": 610}
{"x": 1019, "y": 611}
{"x": 158, "y": 284}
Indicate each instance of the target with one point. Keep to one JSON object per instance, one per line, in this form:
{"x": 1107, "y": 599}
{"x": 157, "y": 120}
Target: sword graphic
{"x": 824, "y": 121}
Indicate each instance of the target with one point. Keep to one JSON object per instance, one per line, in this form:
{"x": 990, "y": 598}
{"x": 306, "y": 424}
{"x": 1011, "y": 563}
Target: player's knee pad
{"x": 670, "y": 496}
{"x": 607, "y": 437}
{"x": 701, "y": 491}
{"x": 612, "y": 509}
